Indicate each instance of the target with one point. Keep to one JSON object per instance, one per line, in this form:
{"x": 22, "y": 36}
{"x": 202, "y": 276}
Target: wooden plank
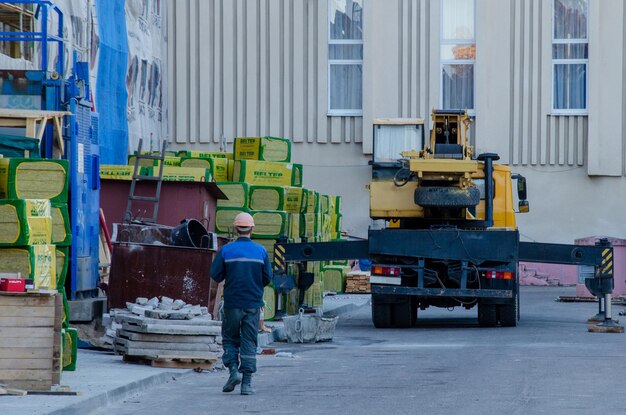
{"x": 25, "y": 364}
{"x": 164, "y": 346}
{"x": 30, "y": 385}
{"x": 26, "y": 332}
{"x": 25, "y": 374}
{"x": 13, "y": 311}
{"x": 19, "y": 342}
{"x": 27, "y": 321}
{"x": 26, "y": 353}
{"x": 26, "y": 300}
{"x": 173, "y": 329}
{"x": 165, "y": 338}
{"x": 175, "y": 364}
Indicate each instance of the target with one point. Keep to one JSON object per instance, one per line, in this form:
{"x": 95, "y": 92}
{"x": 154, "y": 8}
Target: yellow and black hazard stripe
{"x": 606, "y": 266}
{"x": 279, "y": 258}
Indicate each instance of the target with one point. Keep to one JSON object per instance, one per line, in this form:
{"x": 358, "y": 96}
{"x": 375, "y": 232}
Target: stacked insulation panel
{"x": 263, "y": 181}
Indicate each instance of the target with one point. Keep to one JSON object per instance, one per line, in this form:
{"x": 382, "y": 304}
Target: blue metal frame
{"x": 44, "y": 37}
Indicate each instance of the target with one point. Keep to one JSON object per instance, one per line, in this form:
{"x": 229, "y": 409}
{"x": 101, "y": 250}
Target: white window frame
{"x": 555, "y": 41}
{"x": 343, "y": 112}
{"x": 442, "y": 62}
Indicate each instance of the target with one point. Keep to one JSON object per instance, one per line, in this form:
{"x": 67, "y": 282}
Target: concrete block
{"x": 87, "y": 310}
{"x": 141, "y": 300}
{"x": 178, "y": 304}
{"x": 153, "y": 302}
{"x": 166, "y": 303}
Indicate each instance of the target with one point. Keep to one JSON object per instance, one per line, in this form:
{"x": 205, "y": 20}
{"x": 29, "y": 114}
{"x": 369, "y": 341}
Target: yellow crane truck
{"x": 449, "y": 236}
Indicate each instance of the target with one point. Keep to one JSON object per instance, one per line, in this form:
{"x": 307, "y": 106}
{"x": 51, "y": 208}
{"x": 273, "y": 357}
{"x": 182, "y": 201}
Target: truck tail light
{"x": 499, "y": 275}
{"x": 381, "y": 270}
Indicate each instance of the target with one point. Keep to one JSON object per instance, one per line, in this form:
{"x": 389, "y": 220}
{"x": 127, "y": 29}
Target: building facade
{"x": 543, "y": 79}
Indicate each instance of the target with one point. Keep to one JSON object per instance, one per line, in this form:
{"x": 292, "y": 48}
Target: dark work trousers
{"x": 239, "y": 337}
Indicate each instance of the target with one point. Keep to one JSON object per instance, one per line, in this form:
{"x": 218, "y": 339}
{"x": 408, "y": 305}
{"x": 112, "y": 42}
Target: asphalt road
{"x": 549, "y": 364}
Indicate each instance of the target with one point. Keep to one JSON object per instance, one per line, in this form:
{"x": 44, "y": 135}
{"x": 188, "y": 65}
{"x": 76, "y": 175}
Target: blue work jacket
{"x": 246, "y": 269}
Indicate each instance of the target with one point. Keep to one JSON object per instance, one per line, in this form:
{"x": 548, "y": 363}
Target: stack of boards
{"x": 35, "y": 232}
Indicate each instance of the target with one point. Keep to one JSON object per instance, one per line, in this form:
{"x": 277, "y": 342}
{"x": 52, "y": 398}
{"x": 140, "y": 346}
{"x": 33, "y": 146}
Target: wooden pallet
{"x": 30, "y": 340}
{"x": 176, "y": 362}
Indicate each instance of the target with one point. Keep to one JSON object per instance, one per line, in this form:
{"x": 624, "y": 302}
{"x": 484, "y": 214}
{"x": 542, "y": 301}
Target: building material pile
{"x": 358, "y": 282}
{"x": 165, "y": 333}
{"x": 35, "y": 233}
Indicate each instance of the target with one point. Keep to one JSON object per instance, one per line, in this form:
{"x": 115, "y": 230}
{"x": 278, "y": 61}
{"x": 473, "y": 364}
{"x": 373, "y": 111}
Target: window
{"x": 345, "y": 57}
{"x": 458, "y": 54}
{"x": 16, "y": 18}
{"x": 569, "y": 56}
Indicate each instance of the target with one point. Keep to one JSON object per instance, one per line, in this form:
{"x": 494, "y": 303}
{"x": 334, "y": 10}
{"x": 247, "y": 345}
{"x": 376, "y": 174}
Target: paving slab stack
{"x": 165, "y": 333}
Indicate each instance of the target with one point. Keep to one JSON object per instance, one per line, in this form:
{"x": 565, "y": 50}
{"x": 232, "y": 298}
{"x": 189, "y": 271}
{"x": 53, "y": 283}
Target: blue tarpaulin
{"x": 111, "y": 91}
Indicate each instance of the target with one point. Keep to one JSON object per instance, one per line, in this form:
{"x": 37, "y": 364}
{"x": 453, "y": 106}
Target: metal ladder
{"x": 128, "y": 215}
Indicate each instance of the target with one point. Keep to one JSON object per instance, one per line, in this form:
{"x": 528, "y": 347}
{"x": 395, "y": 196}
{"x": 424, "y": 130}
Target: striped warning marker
{"x": 279, "y": 257}
{"x": 607, "y": 262}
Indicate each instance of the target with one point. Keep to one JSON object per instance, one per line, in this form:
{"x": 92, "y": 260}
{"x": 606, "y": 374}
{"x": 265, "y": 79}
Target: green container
{"x": 266, "y": 197}
{"x": 262, "y": 148}
{"x": 61, "y": 229}
{"x": 224, "y": 217}
{"x": 34, "y": 179}
{"x": 237, "y": 193}
{"x": 25, "y": 222}
{"x": 269, "y": 224}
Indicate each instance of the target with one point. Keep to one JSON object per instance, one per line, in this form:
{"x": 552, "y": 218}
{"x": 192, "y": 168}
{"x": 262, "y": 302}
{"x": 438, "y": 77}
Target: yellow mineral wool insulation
{"x": 33, "y": 179}
{"x": 112, "y": 171}
{"x": 295, "y": 199}
{"x": 267, "y": 173}
{"x": 224, "y": 217}
{"x": 236, "y": 192}
{"x": 195, "y": 162}
{"x": 269, "y": 303}
{"x": 262, "y": 148}
{"x": 37, "y": 262}
{"x": 25, "y": 222}
{"x": 266, "y": 197}
{"x": 269, "y": 224}
{"x": 205, "y": 154}
{"x": 61, "y": 231}
{"x": 181, "y": 174}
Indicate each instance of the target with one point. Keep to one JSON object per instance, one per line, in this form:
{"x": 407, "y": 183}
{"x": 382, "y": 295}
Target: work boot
{"x": 246, "y": 385}
{"x": 233, "y": 380}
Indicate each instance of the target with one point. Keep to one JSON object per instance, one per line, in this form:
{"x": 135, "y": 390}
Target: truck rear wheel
{"x": 509, "y": 312}
{"x": 402, "y": 315}
{"x": 381, "y": 315}
{"x": 487, "y": 315}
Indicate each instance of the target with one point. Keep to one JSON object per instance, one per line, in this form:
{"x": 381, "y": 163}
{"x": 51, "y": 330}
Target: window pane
{"x": 346, "y": 19}
{"x": 391, "y": 140}
{"x": 458, "y": 52}
{"x": 458, "y": 19}
{"x": 569, "y": 51}
{"x": 345, "y": 52}
{"x": 570, "y": 19}
{"x": 570, "y": 86}
{"x": 458, "y": 86}
{"x": 345, "y": 87}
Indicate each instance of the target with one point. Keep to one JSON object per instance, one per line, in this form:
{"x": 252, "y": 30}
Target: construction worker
{"x": 246, "y": 269}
